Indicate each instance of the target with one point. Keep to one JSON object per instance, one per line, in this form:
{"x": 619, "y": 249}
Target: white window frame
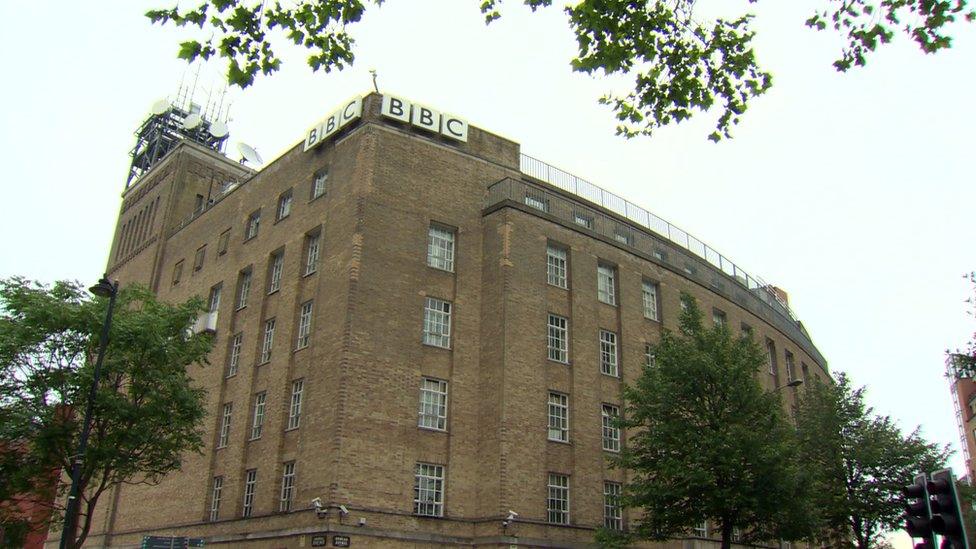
{"x": 213, "y": 300}
{"x": 440, "y": 248}
{"x": 277, "y": 266}
{"x": 790, "y": 367}
{"x": 558, "y": 338}
{"x": 268, "y": 344}
{"x": 649, "y": 358}
{"x": 433, "y": 404}
{"x": 225, "y": 419}
{"x": 611, "y": 433}
{"x": 250, "y": 485}
{"x": 244, "y": 289}
{"x": 606, "y": 283}
{"x": 437, "y": 322}
{"x": 556, "y": 266}
{"x": 295, "y": 406}
{"x": 771, "y": 356}
{"x": 215, "y": 490}
{"x": 557, "y": 499}
{"x": 558, "y": 414}
{"x": 252, "y": 226}
{"x": 701, "y": 529}
{"x": 719, "y": 318}
{"x": 257, "y": 421}
{"x": 428, "y": 490}
{"x": 319, "y": 181}
{"x": 609, "y": 354}
{"x": 284, "y": 204}
{"x": 613, "y": 517}
{"x": 304, "y": 325}
{"x": 287, "y": 487}
{"x": 312, "y": 253}
{"x": 649, "y": 299}
{"x": 234, "y": 356}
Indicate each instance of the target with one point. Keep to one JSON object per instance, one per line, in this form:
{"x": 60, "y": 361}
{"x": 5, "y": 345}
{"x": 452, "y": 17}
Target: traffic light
{"x": 918, "y": 517}
{"x": 947, "y": 520}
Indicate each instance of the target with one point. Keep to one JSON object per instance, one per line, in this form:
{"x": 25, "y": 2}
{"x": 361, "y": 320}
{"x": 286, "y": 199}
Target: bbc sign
{"x": 424, "y": 117}
{"x": 324, "y": 128}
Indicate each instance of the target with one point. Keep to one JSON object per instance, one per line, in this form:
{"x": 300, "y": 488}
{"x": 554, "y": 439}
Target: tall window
{"x": 251, "y": 227}
{"x": 428, "y": 490}
{"x": 287, "y": 487}
{"x": 258, "y": 422}
{"x": 234, "y": 358}
{"x": 295, "y": 409}
{"x": 304, "y": 325}
{"x": 790, "y": 367}
{"x": 177, "y": 272}
{"x": 284, "y": 205}
{"x": 274, "y": 276}
{"x": 437, "y": 323}
{"x": 318, "y": 184}
{"x": 199, "y": 257}
{"x": 701, "y": 529}
{"x": 557, "y": 501}
{"x": 222, "y": 242}
{"x": 608, "y": 353}
{"x": 719, "y": 318}
{"x": 556, "y": 266}
{"x": 243, "y": 288}
{"x": 558, "y": 339}
{"x": 213, "y": 300}
{"x": 313, "y": 241}
{"x": 433, "y": 404}
{"x": 268, "y": 344}
{"x": 440, "y": 248}
{"x": 606, "y": 284}
{"x": 649, "y": 297}
{"x": 611, "y": 433}
{"x": 558, "y": 417}
{"x": 612, "y": 515}
{"x": 250, "y": 482}
{"x": 648, "y": 354}
{"x": 771, "y": 357}
{"x": 218, "y": 486}
{"x": 224, "y": 436}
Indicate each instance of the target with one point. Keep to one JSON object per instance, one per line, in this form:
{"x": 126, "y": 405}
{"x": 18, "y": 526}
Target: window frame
{"x": 609, "y": 353}
{"x": 428, "y": 479}
{"x": 558, "y": 417}
{"x": 287, "y": 497}
{"x": 295, "y": 404}
{"x": 613, "y": 516}
{"x": 276, "y": 268}
{"x": 253, "y": 225}
{"x": 285, "y": 201}
{"x": 250, "y": 488}
{"x": 557, "y": 492}
{"x": 313, "y": 249}
{"x": 560, "y": 352}
{"x": 267, "y": 343}
{"x": 177, "y": 272}
{"x": 611, "y": 434}
{"x": 223, "y": 433}
{"x": 317, "y": 190}
{"x": 244, "y": 278}
{"x": 433, "y": 411}
{"x": 439, "y": 318}
{"x": 216, "y": 487}
{"x": 223, "y": 242}
{"x": 234, "y": 354}
{"x": 304, "y": 325}
{"x": 650, "y": 300}
{"x": 554, "y": 256}
{"x": 441, "y": 247}
{"x": 199, "y": 257}
{"x": 606, "y": 283}
{"x": 258, "y": 414}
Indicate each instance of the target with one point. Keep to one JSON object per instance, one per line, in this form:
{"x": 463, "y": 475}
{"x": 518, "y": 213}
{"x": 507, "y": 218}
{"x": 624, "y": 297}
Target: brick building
{"x": 418, "y": 330}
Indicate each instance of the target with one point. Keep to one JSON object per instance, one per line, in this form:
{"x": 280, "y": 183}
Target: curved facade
{"x": 413, "y": 333}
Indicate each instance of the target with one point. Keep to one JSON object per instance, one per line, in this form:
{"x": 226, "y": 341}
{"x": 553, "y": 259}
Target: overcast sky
{"x": 852, "y": 192}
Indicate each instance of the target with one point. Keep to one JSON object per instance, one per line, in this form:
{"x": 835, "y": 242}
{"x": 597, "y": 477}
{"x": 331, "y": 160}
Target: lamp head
{"x": 104, "y": 288}
{"x": 795, "y": 383}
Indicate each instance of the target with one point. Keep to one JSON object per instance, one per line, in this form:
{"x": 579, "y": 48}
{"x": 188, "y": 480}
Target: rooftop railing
{"x": 598, "y": 195}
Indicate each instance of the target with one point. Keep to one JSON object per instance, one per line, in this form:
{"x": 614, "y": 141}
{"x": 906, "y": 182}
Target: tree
{"x": 859, "y": 461}
{"x": 146, "y": 413}
{"x": 707, "y": 442}
{"x": 679, "y": 61}
{"x": 963, "y": 361}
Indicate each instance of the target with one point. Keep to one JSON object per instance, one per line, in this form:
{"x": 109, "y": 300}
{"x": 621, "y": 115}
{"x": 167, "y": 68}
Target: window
{"x": 258, "y": 423}
{"x": 274, "y": 276}
{"x": 558, "y": 339}
{"x": 437, "y": 323}
{"x": 284, "y": 205}
{"x": 583, "y": 219}
{"x": 623, "y": 236}
{"x": 719, "y": 318}
{"x": 225, "y": 425}
{"x": 177, "y": 272}
{"x": 790, "y": 367}
{"x": 312, "y": 243}
{"x": 649, "y": 354}
{"x": 608, "y": 353}
{"x": 222, "y": 242}
{"x": 243, "y": 288}
{"x": 251, "y": 227}
{"x": 649, "y": 299}
{"x": 250, "y": 480}
{"x": 558, "y": 417}
{"x": 606, "y": 284}
{"x": 662, "y": 256}
{"x": 213, "y": 300}
{"x": 295, "y": 409}
{"x": 234, "y": 356}
{"x": 557, "y": 501}
{"x": 536, "y": 199}
{"x": 747, "y": 330}
{"x": 736, "y": 534}
{"x": 612, "y": 514}
{"x": 199, "y": 257}
{"x": 428, "y": 490}
{"x": 218, "y": 486}
{"x": 771, "y": 357}
{"x": 318, "y": 183}
{"x": 269, "y": 330}
{"x": 440, "y": 248}
{"x": 701, "y": 529}
{"x": 556, "y": 266}
{"x": 304, "y": 325}
{"x": 433, "y": 404}
{"x": 198, "y": 204}
{"x": 287, "y": 487}
{"x": 611, "y": 433}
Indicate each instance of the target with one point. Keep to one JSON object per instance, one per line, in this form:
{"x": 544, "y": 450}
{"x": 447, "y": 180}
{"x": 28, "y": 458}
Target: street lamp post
{"x": 108, "y": 289}
{"x": 794, "y": 383}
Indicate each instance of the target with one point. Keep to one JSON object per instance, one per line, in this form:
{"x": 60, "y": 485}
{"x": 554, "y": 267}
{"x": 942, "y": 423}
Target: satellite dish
{"x": 160, "y": 107}
{"x": 249, "y": 153}
{"x": 192, "y": 121}
{"x": 218, "y": 129}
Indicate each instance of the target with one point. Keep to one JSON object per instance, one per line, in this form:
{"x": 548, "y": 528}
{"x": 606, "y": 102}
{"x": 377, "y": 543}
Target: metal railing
{"x": 593, "y": 193}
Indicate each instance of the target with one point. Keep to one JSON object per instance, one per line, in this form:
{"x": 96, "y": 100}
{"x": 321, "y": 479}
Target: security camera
{"x": 317, "y": 503}
{"x": 512, "y": 515}
{"x": 343, "y": 510}
{"x": 320, "y": 510}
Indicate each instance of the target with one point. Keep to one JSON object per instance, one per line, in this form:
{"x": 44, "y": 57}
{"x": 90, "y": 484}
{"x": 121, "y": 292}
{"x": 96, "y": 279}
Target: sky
{"x": 853, "y": 192}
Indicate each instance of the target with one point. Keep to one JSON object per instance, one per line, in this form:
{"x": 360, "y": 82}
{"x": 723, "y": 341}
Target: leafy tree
{"x": 679, "y": 61}
{"x": 146, "y": 413}
{"x": 707, "y": 442}
{"x": 859, "y": 461}
{"x": 964, "y": 360}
